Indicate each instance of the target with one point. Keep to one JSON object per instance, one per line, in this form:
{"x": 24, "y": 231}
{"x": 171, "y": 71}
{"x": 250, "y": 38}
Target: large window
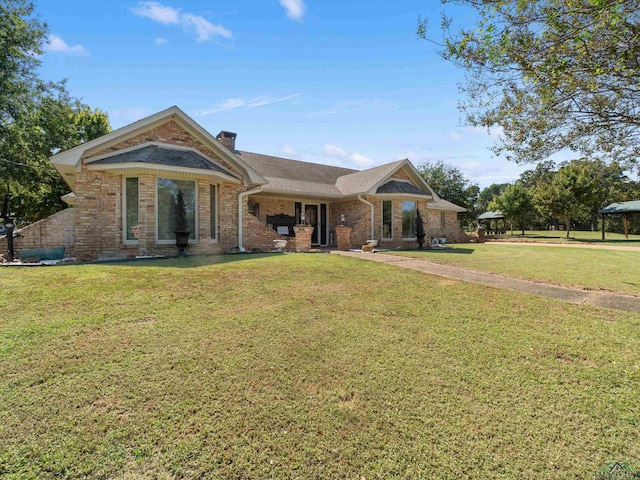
{"x": 408, "y": 219}
{"x": 387, "y": 220}
{"x": 131, "y": 210}
{"x": 167, "y": 195}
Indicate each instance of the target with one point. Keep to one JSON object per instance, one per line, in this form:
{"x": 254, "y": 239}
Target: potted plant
{"x": 420, "y": 233}
{"x": 182, "y": 226}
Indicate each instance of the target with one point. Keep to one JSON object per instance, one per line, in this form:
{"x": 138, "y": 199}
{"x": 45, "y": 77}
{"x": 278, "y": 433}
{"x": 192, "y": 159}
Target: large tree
{"x": 37, "y": 118}
{"x": 515, "y": 203}
{"x": 573, "y": 191}
{"x": 554, "y": 74}
{"x": 451, "y": 184}
{"x": 488, "y": 194}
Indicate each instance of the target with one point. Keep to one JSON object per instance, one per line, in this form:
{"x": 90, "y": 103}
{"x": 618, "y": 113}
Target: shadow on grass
{"x": 188, "y": 261}
{"x": 453, "y": 250}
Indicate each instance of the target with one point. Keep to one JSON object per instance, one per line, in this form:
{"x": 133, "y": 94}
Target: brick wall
{"x": 258, "y": 236}
{"x": 53, "y": 231}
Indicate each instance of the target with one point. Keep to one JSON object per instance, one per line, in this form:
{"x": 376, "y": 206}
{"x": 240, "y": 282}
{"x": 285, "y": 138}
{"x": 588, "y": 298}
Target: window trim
{"x": 382, "y": 237}
{"x": 196, "y": 208}
{"x": 125, "y": 226}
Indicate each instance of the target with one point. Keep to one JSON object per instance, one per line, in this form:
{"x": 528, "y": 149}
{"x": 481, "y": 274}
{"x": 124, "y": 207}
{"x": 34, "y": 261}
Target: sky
{"x": 344, "y": 83}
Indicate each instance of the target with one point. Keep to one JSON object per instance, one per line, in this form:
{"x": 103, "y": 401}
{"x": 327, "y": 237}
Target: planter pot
{"x": 182, "y": 242}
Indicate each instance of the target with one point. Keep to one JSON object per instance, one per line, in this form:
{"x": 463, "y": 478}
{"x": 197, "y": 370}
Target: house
{"x": 125, "y": 183}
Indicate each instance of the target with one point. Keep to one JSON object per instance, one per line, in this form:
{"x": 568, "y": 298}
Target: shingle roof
{"x": 284, "y": 174}
{"x": 395, "y": 186}
{"x": 159, "y": 155}
{"x": 622, "y": 207}
{"x": 361, "y": 181}
{"x": 441, "y": 204}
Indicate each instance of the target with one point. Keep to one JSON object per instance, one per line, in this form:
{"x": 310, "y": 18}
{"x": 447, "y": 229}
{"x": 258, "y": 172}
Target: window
{"x": 387, "y": 219}
{"x": 442, "y": 219}
{"x": 214, "y": 214}
{"x": 408, "y": 219}
{"x": 131, "y": 207}
{"x": 167, "y": 194}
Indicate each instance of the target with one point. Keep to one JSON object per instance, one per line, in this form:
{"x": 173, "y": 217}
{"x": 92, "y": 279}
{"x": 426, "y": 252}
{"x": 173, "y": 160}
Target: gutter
{"x": 241, "y": 196}
{"x": 371, "y": 207}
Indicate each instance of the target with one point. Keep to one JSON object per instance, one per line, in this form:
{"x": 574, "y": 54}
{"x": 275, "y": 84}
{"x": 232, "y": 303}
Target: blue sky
{"x": 342, "y": 83}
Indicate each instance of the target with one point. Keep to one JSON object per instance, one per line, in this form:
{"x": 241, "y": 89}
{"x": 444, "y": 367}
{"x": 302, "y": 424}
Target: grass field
{"x": 560, "y": 236}
{"x": 589, "y": 268}
{"x": 305, "y": 366}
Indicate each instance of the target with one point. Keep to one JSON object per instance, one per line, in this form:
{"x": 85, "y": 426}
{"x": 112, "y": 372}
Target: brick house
{"x": 125, "y": 183}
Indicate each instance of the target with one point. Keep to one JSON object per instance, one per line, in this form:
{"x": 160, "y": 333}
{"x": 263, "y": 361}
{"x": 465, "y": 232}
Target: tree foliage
{"x": 515, "y": 203}
{"x": 451, "y": 184}
{"x": 488, "y": 194}
{"x": 37, "y": 118}
{"x": 555, "y": 74}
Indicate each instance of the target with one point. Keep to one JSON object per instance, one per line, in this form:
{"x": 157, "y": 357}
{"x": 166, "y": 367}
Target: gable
{"x": 168, "y": 133}
{"x": 170, "y": 126}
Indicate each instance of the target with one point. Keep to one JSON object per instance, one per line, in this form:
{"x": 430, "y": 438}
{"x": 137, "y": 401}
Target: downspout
{"x": 371, "y": 206}
{"x": 241, "y": 196}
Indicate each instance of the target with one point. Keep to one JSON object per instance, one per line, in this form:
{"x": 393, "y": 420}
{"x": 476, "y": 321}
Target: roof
{"x": 68, "y": 162}
{"x": 491, "y": 215}
{"x": 441, "y": 204}
{"x": 364, "y": 180}
{"x": 283, "y": 174}
{"x": 622, "y": 207}
{"x": 163, "y": 155}
{"x": 396, "y": 186}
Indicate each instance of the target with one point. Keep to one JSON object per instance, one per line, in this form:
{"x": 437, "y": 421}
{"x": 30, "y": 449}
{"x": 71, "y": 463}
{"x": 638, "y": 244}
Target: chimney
{"x": 228, "y": 139}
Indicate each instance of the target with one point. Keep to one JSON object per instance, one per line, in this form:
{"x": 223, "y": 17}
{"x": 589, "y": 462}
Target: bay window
{"x": 166, "y": 207}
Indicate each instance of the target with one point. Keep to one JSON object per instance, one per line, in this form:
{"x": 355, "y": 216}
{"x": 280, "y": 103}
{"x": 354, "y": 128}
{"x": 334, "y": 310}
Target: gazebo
{"x": 626, "y": 209}
{"x": 496, "y": 215}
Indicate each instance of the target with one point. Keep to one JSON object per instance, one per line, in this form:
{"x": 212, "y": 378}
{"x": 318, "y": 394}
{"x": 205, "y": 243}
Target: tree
{"x": 515, "y": 203}
{"x": 451, "y": 184}
{"x": 37, "y": 118}
{"x": 488, "y": 194}
{"x": 553, "y": 74}
{"x": 572, "y": 192}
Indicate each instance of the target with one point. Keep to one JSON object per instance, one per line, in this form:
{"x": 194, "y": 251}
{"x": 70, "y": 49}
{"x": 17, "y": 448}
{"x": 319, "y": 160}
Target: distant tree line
{"x": 565, "y": 195}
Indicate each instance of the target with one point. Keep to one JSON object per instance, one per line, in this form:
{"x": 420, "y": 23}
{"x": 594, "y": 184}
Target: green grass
{"x": 305, "y": 366}
{"x": 612, "y": 270}
{"x": 560, "y": 236}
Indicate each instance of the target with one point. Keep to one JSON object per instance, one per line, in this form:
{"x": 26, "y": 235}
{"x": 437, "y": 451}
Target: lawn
{"x": 305, "y": 366}
{"x": 613, "y": 270}
{"x": 560, "y": 236}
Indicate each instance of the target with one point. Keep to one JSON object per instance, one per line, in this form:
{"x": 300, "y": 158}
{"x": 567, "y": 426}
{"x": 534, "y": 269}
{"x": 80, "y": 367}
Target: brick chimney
{"x": 228, "y": 139}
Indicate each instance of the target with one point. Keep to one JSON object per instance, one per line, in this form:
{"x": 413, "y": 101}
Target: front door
{"x": 313, "y": 219}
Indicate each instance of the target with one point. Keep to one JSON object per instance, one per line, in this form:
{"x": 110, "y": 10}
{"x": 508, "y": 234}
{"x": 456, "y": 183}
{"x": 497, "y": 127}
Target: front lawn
{"x": 306, "y": 366}
{"x": 560, "y": 236}
{"x": 613, "y": 270}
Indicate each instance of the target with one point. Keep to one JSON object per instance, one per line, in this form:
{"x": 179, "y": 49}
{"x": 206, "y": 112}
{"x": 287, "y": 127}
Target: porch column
{"x": 303, "y": 237}
{"x": 343, "y": 234}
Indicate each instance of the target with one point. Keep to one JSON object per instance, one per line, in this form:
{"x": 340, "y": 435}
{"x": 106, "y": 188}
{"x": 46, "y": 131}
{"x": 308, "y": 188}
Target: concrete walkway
{"x": 599, "y": 298}
{"x": 596, "y": 246}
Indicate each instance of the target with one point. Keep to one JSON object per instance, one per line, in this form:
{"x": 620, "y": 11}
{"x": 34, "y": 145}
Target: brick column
{"x": 343, "y": 236}
{"x": 303, "y": 237}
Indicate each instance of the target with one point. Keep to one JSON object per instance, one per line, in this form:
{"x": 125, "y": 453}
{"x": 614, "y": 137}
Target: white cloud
{"x": 288, "y": 150}
{"x": 57, "y": 44}
{"x": 455, "y": 136}
{"x": 361, "y": 160}
{"x": 197, "y": 24}
{"x": 161, "y": 41}
{"x": 294, "y": 8}
{"x": 203, "y": 27}
{"x": 232, "y": 103}
{"x": 335, "y": 151}
{"x": 157, "y": 13}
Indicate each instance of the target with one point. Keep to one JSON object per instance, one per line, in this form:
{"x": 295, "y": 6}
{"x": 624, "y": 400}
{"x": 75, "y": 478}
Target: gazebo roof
{"x": 491, "y": 215}
{"x": 622, "y": 207}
